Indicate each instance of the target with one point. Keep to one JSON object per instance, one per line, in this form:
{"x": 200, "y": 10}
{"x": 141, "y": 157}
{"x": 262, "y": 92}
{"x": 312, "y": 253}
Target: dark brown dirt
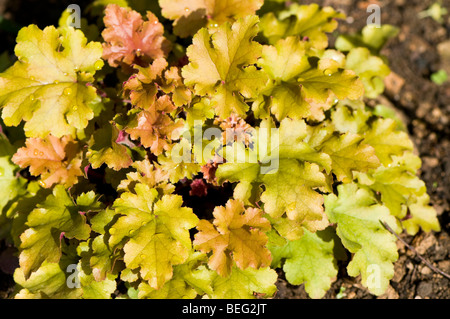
{"x": 425, "y": 106}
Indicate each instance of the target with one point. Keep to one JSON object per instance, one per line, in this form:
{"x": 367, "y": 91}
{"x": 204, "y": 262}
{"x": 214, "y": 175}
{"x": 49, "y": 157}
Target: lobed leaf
{"x": 289, "y": 180}
{"x": 49, "y": 82}
{"x": 222, "y": 66}
{"x": 311, "y": 260}
{"x": 55, "y": 160}
{"x": 189, "y": 279}
{"x": 303, "y": 87}
{"x": 154, "y": 127}
{"x": 235, "y": 236}
{"x": 190, "y": 16}
{"x": 57, "y": 217}
{"x": 128, "y": 37}
{"x": 386, "y": 140}
{"x": 371, "y": 69}
{"x": 49, "y": 281}
{"x": 244, "y": 284}
{"x": 156, "y": 233}
{"x": 104, "y": 149}
{"x": 349, "y": 153}
{"x": 358, "y": 217}
{"x": 309, "y": 22}
{"x": 11, "y": 184}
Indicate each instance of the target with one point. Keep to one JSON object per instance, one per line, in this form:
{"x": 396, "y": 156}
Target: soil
{"x": 421, "y": 49}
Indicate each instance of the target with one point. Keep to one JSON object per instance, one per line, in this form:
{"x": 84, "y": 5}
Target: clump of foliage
{"x": 92, "y": 118}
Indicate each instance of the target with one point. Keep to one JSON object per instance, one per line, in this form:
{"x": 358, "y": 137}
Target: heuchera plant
{"x": 111, "y": 186}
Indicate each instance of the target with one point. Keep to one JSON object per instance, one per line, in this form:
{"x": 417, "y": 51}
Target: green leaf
{"x": 11, "y": 183}
{"x": 101, "y": 258}
{"x": 100, "y": 221}
{"x": 318, "y": 82}
{"x": 371, "y": 69}
{"x": 89, "y": 202}
{"x": 94, "y": 285}
{"x": 48, "y": 83}
{"x": 439, "y": 77}
{"x": 371, "y": 36}
{"x": 290, "y": 190}
{"x": 390, "y": 113}
{"x": 349, "y": 153}
{"x": 350, "y": 116}
{"x": 23, "y": 206}
{"x": 403, "y": 192}
{"x": 422, "y": 215}
{"x": 300, "y": 84}
{"x": 311, "y": 260}
{"x": 306, "y": 21}
{"x": 386, "y": 140}
{"x": 91, "y": 31}
{"x": 93, "y": 289}
{"x": 288, "y": 171}
{"x": 397, "y": 183}
{"x": 57, "y": 216}
{"x": 179, "y": 167}
{"x": 436, "y": 11}
{"x": 189, "y": 279}
{"x": 200, "y": 111}
{"x": 48, "y": 282}
{"x": 135, "y": 211}
{"x": 156, "y": 232}
{"x": 176, "y": 288}
{"x": 222, "y": 65}
{"x": 105, "y": 150}
{"x": 358, "y": 217}
{"x": 242, "y": 284}
{"x": 286, "y": 59}
{"x": 283, "y": 62}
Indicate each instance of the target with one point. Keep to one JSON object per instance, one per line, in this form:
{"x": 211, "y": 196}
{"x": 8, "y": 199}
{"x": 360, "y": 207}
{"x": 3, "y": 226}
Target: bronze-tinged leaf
{"x": 191, "y": 15}
{"x": 57, "y": 161}
{"x": 237, "y": 235}
{"x": 129, "y": 37}
{"x": 142, "y": 87}
{"x": 154, "y": 127}
{"x": 173, "y": 83}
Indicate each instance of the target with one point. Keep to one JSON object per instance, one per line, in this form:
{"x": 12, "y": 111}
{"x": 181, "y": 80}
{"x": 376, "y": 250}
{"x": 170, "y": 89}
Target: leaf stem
{"x": 426, "y": 262}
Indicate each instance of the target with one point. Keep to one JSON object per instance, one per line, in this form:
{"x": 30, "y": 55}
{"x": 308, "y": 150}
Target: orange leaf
{"x": 154, "y": 127}
{"x": 141, "y": 87}
{"x": 173, "y": 83}
{"x": 129, "y": 37}
{"x": 55, "y": 160}
{"x": 237, "y": 234}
